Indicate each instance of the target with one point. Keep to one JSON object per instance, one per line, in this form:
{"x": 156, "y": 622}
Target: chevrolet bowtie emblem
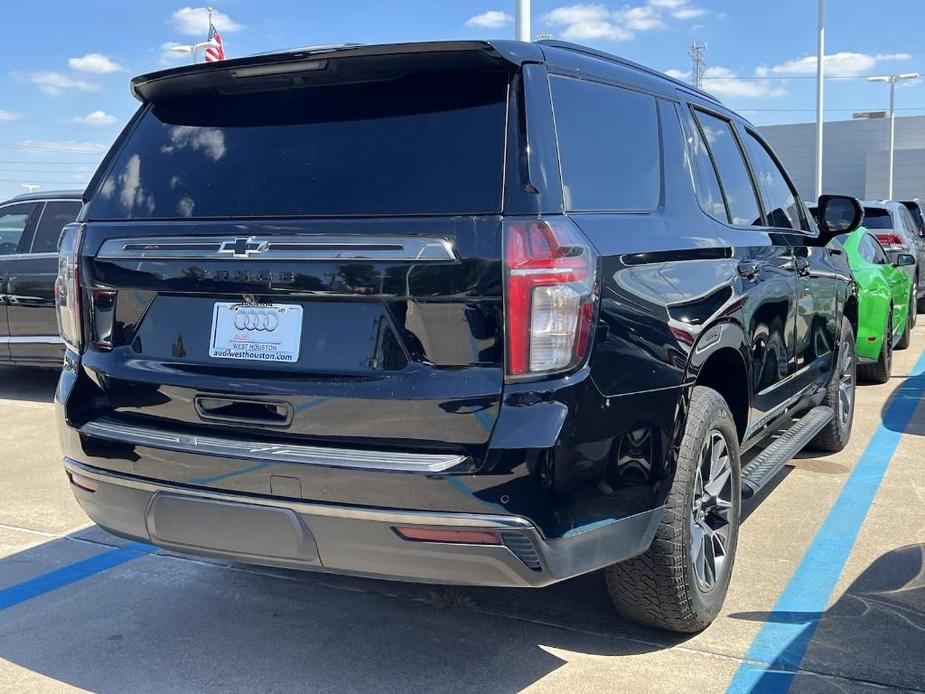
{"x": 244, "y": 248}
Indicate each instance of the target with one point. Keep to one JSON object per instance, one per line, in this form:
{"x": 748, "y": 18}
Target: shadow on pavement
{"x": 163, "y": 623}
{"x": 900, "y": 411}
{"x": 876, "y": 629}
{"x": 28, "y": 383}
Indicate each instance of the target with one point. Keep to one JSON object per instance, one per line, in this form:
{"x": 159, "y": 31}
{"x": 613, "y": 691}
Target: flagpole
{"x": 207, "y": 30}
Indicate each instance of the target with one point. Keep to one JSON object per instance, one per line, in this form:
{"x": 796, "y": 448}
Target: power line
{"x": 46, "y": 163}
{"x": 846, "y": 110}
{"x": 792, "y": 77}
{"x": 34, "y": 172}
{"x": 53, "y": 150}
{"x": 75, "y": 184}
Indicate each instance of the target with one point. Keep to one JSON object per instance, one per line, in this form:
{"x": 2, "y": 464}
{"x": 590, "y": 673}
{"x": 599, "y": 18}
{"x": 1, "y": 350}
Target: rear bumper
{"x": 349, "y": 539}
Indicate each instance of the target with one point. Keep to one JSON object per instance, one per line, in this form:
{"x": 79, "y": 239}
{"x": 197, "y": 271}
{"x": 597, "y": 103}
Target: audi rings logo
{"x": 259, "y": 319}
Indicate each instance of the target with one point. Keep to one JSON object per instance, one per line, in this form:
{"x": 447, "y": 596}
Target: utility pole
{"x": 820, "y": 74}
{"x": 698, "y": 54}
{"x": 522, "y": 20}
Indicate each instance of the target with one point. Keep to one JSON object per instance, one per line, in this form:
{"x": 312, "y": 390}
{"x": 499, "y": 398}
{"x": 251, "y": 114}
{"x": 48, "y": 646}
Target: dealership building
{"x": 855, "y": 156}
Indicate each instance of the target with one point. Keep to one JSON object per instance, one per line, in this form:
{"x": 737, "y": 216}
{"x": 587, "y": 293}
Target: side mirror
{"x": 838, "y": 214}
{"x": 904, "y": 259}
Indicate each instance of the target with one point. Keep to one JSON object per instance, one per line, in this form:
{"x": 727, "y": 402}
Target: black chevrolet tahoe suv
{"x": 485, "y": 313}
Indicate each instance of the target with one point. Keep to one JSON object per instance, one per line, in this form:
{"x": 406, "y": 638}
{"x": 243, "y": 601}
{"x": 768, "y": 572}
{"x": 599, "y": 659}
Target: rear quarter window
{"x": 609, "y": 148}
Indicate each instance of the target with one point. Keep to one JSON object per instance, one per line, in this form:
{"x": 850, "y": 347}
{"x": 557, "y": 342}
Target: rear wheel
{"x": 680, "y": 583}
{"x": 916, "y": 304}
{"x": 839, "y": 395}
{"x": 879, "y": 371}
{"x": 910, "y": 323}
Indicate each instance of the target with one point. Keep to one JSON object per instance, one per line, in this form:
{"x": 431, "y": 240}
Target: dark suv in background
{"x": 489, "y": 313}
{"x": 30, "y": 226}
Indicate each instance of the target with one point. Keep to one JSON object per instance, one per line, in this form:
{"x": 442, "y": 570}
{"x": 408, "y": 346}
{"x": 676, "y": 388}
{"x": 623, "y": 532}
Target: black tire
{"x": 916, "y": 304}
{"x": 910, "y": 323}
{"x": 879, "y": 371}
{"x": 839, "y": 395}
{"x": 660, "y": 588}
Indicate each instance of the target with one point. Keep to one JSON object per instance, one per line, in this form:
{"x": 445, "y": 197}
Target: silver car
{"x": 892, "y": 223}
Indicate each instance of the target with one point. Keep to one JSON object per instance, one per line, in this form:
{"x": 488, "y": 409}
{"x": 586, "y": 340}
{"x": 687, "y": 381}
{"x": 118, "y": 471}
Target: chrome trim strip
{"x": 392, "y": 516}
{"x": 303, "y": 247}
{"x": 107, "y": 428}
{"x": 30, "y": 340}
{"x": 14, "y": 256}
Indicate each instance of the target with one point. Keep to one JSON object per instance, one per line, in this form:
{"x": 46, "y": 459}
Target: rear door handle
{"x": 750, "y": 268}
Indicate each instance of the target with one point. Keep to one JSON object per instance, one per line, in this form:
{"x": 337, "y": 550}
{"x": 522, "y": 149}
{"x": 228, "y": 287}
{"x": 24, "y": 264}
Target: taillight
{"x": 892, "y": 242}
{"x": 67, "y": 287}
{"x": 550, "y": 295}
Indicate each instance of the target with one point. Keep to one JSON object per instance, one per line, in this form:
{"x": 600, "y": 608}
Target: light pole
{"x": 892, "y": 79}
{"x": 820, "y": 72}
{"x": 522, "y": 20}
{"x": 193, "y": 48}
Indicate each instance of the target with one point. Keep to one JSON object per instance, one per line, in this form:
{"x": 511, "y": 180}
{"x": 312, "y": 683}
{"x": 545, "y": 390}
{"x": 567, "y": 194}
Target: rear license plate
{"x": 258, "y": 332}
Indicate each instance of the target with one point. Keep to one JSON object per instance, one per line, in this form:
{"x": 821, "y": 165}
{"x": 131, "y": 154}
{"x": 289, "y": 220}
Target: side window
{"x": 737, "y": 184}
{"x": 14, "y": 219}
{"x": 781, "y": 203}
{"x": 866, "y": 248}
{"x": 879, "y": 254}
{"x": 706, "y": 182}
{"x": 907, "y": 220}
{"x": 609, "y": 148}
{"x": 55, "y": 216}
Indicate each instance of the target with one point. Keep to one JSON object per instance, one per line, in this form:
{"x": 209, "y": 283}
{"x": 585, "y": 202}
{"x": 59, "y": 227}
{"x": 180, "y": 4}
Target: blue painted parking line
{"x": 72, "y": 573}
{"x": 779, "y": 647}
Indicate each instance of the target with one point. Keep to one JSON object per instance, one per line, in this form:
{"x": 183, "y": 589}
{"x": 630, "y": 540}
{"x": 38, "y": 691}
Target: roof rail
{"x": 578, "y": 48}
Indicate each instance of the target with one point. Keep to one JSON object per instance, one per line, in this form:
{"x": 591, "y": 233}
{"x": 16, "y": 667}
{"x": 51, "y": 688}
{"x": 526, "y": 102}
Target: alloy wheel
{"x": 711, "y": 511}
{"x": 845, "y": 385}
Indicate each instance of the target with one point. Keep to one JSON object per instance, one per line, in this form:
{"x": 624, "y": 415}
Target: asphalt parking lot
{"x": 828, "y": 592}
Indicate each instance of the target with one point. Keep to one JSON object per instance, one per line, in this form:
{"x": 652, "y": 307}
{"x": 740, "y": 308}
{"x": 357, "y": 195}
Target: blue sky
{"x": 65, "y": 65}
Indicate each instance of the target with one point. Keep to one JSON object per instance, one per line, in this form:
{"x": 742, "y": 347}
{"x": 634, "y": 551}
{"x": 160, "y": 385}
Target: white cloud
{"x": 836, "y": 64}
{"x": 492, "y": 19}
{"x": 194, "y": 21}
{"x": 55, "y": 83}
{"x": 589, "y": 22}
{"x": 62, "y": 146}
{"x": 211, "y": 141}
{"x": 94, "y": 62}
{"x": 678, "y": 74}
{"x": 688, "y": 13}
{"x": 95, "y": 118}
{"x": 722, "y": 81}
{"x": 11, "y": 115}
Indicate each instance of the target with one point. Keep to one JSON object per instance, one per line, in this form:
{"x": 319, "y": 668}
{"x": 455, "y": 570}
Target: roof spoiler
{"x": 316, "y": 65}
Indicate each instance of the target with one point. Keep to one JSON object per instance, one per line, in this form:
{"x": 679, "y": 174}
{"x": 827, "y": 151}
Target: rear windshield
{"x": 423, "y": 144}
{"x": 876, "y": 218}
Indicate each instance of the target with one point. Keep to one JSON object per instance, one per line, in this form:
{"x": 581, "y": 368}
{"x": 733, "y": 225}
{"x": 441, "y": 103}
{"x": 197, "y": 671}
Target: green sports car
{"x": 884, "y": 300}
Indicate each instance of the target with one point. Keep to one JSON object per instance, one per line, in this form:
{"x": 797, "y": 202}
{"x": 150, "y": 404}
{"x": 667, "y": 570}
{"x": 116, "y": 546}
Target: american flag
{"x": 216, "y": 51}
